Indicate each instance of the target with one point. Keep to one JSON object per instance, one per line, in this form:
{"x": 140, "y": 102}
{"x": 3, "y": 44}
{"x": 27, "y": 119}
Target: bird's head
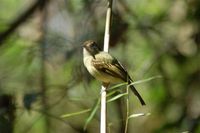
{"x": 91, "y": 47}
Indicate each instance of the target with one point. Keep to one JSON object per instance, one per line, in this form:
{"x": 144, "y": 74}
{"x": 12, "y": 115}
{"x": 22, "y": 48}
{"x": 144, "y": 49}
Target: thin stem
{"x": 107, "y": 26}
{"x": 104, "y": 87}
{"x": 127, "y": 110}
{"x": 103, "y": 110}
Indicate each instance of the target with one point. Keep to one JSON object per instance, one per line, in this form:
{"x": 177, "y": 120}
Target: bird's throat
{"x": 87, "y": 54}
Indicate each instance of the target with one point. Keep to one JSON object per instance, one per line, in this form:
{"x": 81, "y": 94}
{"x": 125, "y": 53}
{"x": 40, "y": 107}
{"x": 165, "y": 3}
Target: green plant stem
{"x": 127, "y": 110}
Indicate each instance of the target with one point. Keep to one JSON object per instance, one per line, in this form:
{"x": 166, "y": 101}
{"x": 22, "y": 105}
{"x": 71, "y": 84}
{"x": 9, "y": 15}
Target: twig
{"x": 106, "y": 47}
{"x": 43, "y": 84}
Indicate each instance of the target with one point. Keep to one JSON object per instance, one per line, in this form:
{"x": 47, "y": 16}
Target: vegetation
{"x": 45, "y": 88}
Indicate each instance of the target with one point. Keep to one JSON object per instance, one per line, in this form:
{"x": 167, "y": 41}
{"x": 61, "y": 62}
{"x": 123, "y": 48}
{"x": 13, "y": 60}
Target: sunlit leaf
{"x": 138, "y": 115}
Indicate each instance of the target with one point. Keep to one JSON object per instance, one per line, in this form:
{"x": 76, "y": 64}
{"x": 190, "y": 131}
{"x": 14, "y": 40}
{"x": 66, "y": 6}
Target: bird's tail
{"x": 136, "y": 93}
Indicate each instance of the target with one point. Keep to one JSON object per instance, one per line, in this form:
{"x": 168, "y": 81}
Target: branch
{"x": 39, "y": 4}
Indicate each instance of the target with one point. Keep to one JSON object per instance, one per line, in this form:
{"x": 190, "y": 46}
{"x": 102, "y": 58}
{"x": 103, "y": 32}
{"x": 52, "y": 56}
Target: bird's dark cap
{"x": 88, "y": 43}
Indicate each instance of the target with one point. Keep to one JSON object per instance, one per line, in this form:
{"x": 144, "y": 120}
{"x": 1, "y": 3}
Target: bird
{"x": 106, "y": 68}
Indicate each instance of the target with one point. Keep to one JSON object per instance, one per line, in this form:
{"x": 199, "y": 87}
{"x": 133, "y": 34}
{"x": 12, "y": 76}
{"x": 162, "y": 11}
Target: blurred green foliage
{"x": 150, "y": 37}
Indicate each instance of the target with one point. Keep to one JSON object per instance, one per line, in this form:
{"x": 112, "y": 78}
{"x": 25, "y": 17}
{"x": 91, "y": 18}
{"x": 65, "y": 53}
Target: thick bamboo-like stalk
{"x": 106, "y": 47}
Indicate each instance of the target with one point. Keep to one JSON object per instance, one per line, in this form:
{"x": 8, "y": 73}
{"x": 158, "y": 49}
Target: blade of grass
{"x": 91, "y": 116}
{"x": 145, "y": 80}
{"x": 117, "y": 86}
{"x": 116, "y": 97}
{"x": 138, "y": 115}
{"x": 76, "y": 113}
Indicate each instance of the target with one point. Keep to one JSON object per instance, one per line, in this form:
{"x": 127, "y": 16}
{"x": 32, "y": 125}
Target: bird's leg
{"x": 105, "y": 85}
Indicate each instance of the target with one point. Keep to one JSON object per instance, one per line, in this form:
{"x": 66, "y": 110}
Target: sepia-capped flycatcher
{"x": 105, "y": 67}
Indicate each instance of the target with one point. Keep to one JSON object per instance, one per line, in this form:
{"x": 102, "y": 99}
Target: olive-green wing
{"x": 109, "y": 65}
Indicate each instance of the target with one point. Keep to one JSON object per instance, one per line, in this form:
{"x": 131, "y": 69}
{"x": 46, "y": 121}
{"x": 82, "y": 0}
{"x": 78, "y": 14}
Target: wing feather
{"x": 110, "y": 66}
{"x": 113, "y": 68}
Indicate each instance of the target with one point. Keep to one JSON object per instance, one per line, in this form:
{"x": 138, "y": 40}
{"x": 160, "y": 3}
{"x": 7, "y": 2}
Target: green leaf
{"x": 117, "y": 97}
{"x": 138, "y": 115}
{"x": 145, "y": 80}
{"x": 76, "y": 113}
{"x": 115, "y": 87}
{"x": 91, "y": 116}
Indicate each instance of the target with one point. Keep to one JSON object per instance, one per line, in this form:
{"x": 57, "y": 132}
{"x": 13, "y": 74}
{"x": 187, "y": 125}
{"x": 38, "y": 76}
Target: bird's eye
{"x": 94, "y": 46}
